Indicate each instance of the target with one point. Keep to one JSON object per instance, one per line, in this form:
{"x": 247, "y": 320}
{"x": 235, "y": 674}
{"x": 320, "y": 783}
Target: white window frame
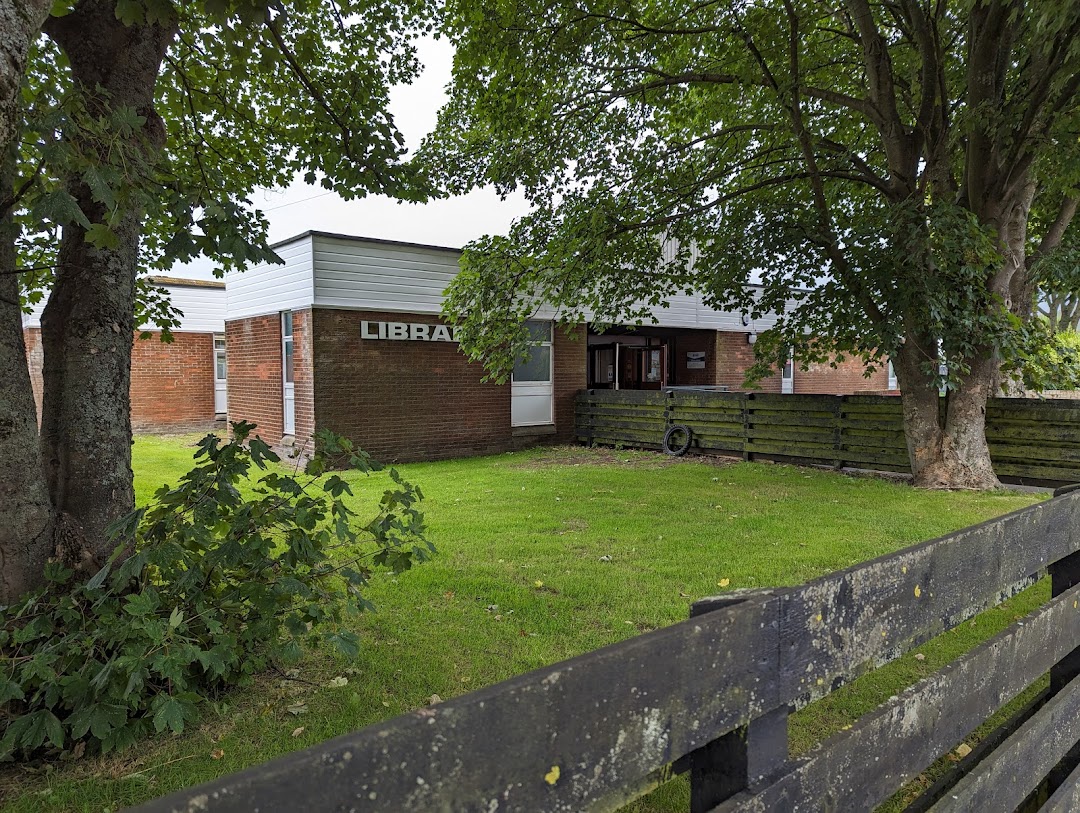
{"x": 220, "y": 355}
{"x": 288, "y": 388}
{"x": 220, "y": 382}
{"x": 787, "y": 374}
{"x": 526, "y": 396}
{"x": 892, "y": 383}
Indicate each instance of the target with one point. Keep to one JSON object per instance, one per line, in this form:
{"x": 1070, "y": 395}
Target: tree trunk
{"x": 950, "y": 453}
{"x": 966, "y": 454}
{"x": 26, "y": 529}
{"x": 88, "y": 323}
{"x": 919, "y": 394}
{"x": 20, "y": 25}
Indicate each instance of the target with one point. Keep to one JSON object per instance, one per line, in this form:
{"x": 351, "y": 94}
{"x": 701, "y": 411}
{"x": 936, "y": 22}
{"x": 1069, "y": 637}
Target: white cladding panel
{"x": 369, "y": 275}
{"x": 203, "y": 309}
{"x": 690, "y": 311}
{"x": 33, "y": 319}
{"x": 269, "y": 288}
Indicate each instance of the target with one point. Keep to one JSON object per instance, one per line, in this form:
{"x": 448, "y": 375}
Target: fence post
{"x": 838, "y": 432}
{"x": 754, "y": 752}
{"x": 1065, "y": 573}
{"x": 747, "y": 455}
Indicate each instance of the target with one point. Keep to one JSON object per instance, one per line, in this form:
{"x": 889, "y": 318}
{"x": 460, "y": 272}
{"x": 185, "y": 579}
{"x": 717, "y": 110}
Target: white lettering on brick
{"x": 407, "y": 331}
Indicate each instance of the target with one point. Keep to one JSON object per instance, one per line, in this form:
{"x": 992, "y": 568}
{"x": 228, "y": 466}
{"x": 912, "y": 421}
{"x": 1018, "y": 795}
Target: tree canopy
{"x": 144, "y": 128}
{"x": 251, "y": 94}
{"x": 874, "y": 162}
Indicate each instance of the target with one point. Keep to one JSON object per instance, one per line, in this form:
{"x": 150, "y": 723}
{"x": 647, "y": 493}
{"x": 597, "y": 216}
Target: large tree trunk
{"x": 950, "y": 450}
{"x": 919, "y": 394}
{"x": 20, "y": 25}
{"x": 88, "y": 323}
{"x": 966, "y": 454}
{"x": 26, "y": 526}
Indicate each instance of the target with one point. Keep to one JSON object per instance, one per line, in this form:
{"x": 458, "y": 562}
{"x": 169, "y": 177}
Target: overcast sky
{"x": 452, "y": 222}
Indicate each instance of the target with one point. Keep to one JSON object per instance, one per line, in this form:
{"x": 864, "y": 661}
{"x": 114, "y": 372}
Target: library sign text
{"x": 407, "y": 331}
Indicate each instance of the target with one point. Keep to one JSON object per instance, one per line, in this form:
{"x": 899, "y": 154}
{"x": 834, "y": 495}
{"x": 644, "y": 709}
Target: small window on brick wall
{"x": 287, "y": 374}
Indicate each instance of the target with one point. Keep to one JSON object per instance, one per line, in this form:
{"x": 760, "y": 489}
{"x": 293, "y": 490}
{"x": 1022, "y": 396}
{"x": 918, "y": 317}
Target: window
{"x": 654, "y": 365}
{"x": 537, "y": 367}
{"x": 787, "y": 373}
{"x": 287, "y": 363}
{"x": 892, "y": 385}
{"x": 287, "y": 345}
{"x": 221, "y": 373}
{"x": 532, "y": 391}
{"x": 220, "y": 367}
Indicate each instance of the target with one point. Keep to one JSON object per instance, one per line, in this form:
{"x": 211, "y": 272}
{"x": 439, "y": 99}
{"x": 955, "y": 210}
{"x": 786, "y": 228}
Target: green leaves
{"x": 229, "y": 574}
{"x": 739, "y": 152}
{"x": 99, "y": 720}
{"x": 173, "y": 712}
{"x": 31, "y": 730}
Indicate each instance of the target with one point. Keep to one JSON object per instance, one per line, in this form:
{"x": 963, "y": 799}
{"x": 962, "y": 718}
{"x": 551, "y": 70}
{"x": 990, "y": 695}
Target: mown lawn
{"x": 543, "y": 555}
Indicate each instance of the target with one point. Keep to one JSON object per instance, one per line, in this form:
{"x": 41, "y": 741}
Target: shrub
{"x": 1055, "y": 364}
{"x": 220, "y": 577}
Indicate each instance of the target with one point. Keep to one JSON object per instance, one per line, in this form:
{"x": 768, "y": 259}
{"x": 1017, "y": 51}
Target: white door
{"x": 288, "y": 387}
{"x": 787, "y": 375}
{"x": 220, "y": 375}
{"x": 531, "y": 390}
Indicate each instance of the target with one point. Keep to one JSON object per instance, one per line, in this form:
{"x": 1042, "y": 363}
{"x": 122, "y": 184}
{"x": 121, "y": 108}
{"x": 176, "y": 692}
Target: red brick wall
{"x": 416, "y": 400}
{"x": 734, "y": 356}
{"x": 172, "y": 385}
{"x": 703, "y": 341}
{"x": 253, "y": 353}
{"x": 571, "y": 369}
{"x": 303, "y": 376}
{"x": 846, "y": 378}
{"x": 35, "y": 358}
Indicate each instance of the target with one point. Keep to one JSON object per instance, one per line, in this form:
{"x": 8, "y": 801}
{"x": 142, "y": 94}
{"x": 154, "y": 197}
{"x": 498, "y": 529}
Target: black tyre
{"x": 677, "y": 439}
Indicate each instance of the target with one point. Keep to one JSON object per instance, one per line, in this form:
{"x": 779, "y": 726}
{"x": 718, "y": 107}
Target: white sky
{"x": 452, "y": 222}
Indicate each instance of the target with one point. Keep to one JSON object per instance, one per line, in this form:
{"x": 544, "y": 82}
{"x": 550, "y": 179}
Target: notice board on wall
{"x": 695, "y": 360}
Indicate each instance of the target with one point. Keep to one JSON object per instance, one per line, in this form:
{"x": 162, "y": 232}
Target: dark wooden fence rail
{"x": 711, "y": 696}
{"x": 1030, "y": 440}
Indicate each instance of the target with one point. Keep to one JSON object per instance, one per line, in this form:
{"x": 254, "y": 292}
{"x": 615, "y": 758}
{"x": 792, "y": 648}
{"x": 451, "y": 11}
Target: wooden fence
{"x": 1030, "y": 440}
{"x": 711, "y": 696}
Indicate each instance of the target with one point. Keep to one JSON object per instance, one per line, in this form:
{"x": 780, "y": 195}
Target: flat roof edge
{"x": 183, "y": 282}
{"x": 356, "y": 238}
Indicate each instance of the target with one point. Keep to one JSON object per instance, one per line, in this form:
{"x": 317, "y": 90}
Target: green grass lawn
{"x": 543, "y": 555}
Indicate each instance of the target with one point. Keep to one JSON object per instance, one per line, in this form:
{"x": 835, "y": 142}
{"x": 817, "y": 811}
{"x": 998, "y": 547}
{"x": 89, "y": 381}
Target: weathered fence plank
{"x": 843, "y": 624}
{"x": 1030, "y": 441}
{"x": 711, "y": 695}
{"x": 864, "y": 766}
{"x": 588, "y": 729}
{"x": 1005, "y": 778}
{"x": 1066, "y": 799}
